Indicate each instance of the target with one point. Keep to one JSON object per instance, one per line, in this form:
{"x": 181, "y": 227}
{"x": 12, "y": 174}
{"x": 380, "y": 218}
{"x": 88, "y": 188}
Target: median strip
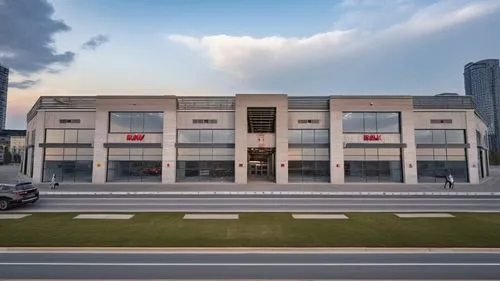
{"x": 426, "y": 215}
{"x": 211, "y": 216}
{"x": 104, "y": 216}
{"x": 13, "y": 216}
{"x": 319, "y": 216}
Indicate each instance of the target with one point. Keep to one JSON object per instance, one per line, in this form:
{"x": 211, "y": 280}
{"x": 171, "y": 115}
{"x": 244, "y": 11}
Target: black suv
{"x": 17, "y": 194}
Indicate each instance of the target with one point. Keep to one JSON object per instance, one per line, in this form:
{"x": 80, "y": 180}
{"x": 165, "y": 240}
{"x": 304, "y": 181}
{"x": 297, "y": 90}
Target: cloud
{"x": 391, "y": 23}
{"x": 26, "y": 31}
{"x": 25, "y": 84}
{"x": 95, "y": 42}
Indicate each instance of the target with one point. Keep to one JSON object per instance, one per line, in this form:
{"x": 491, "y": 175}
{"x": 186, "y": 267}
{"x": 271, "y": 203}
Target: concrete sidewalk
{"x": 489, "y": 185}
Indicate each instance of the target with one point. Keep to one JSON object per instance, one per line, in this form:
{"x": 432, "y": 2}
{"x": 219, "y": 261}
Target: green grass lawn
{"x": 253, "y": 230}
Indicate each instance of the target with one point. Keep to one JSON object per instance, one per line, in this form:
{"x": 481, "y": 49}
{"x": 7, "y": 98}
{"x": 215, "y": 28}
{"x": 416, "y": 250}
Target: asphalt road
{"x": 262, "y": 204}
{"x": 220, "y": 265}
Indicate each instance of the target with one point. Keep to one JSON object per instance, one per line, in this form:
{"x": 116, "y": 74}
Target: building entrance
{"x": 261, "y": 164}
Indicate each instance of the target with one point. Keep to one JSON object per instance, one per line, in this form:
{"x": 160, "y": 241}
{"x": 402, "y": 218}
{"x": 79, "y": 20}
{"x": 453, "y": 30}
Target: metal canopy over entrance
{"x": 261, "y": 164}
{"x": 261, "y": 119}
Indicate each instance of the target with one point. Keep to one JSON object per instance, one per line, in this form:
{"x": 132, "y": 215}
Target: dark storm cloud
{"x": 23, "y": 84}
{"x": 95, "y": 42}
{"x": 26, "y": 36}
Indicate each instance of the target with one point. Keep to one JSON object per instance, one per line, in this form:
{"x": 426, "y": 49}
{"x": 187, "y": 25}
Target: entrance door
{"x": 260, "y": 164}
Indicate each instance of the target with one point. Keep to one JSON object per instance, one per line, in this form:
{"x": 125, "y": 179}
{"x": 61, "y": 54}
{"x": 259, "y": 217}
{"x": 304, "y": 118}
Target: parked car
{"x": 17, "y": 194}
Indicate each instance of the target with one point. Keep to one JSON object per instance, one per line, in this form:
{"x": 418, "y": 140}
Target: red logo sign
{"x": 372, "y": 137}
{"x": 135, "y": 137}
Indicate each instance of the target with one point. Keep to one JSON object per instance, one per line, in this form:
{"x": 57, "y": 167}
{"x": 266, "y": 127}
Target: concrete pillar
{"x": 39, "y": 137}
{"x": 409, "y": 153}
{"x": 169, "y": 151}
{"x": 282, "y": 140}
{"x": 100, "y": 153}
{"x": 240, "y": 145}
{"x": 336, "y": 148}
{"x": 472, "y": 160}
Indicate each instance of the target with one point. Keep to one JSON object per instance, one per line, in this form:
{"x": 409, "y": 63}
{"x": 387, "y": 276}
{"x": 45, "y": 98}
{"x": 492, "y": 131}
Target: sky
{"x": 223, "y": 47}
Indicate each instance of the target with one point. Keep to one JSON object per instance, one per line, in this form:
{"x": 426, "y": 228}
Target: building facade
{"x": 482, "y": 81}
{"x": 4, "y": 84}
{"x": 256, "y": 137}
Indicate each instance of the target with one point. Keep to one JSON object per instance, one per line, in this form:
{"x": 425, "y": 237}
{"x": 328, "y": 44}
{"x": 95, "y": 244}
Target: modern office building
{"x": 256, "y": 137}
{"x": 4, "y": 84}
{"x": 482, "y": 81}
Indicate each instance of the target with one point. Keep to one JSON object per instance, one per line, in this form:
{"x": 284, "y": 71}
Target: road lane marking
{"x": 425, "y": 215}
{"x": 104, "y": 216}
{"x": 13, "y": 216}
{"x": 266, "y": 198}
{"x": 211, "y": 216}
{"x": 319, "y": 216}
{"x": 275, "y": 204}
{"x": 238, "y": 264}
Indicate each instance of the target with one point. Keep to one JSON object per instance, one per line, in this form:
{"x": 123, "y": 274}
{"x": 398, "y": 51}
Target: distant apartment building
{"x": 4, "y": 81}
{"x": 482, "y": 81}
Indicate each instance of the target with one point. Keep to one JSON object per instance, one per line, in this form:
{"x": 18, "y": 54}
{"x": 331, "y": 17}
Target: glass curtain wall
{"x": 205, "y": 156}
{"x": 433, "y": 163}
{"x": 308, "y": 156}
{"x": 372, "y": 164}
{"x": 136, "y": 122}
{"x": 69, "y": 164}
{"x": 134, "y": 165}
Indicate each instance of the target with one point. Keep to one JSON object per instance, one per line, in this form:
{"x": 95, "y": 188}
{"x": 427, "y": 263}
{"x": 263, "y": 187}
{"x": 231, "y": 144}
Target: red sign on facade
{"x": 135, "y": 137}
{"x": 372, "y": 137}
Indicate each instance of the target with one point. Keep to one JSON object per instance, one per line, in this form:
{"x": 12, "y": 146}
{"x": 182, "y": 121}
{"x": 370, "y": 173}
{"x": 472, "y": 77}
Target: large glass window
{"x": 308, "y": 136}
{"x": 433, "y": 164}
{"x": 134, "y": 165}
{"x": 135, "y": 122}
{"x": 372, "y": 165}
{"x": 69, "y": 136}
{"x": 308, "y": 165}
{"x": 205, "y": 136}
{"x": 371, "y": 122}
{"x": 68, "y": 164}
{"x": 440, "y": 136}
{"x": 205, "y": 164}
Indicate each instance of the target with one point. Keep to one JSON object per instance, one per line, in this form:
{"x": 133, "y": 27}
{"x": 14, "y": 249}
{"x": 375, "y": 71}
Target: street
{"x": 261, "y": 204}
{"x": 251, "y": 265}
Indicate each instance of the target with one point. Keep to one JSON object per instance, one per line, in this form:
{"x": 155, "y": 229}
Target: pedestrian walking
{"x": 449, "y": 180}
{"x": 53, "y": 182}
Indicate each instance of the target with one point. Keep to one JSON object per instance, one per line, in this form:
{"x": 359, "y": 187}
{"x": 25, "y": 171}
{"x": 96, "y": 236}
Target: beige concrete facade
{"x": 289, "y": 115}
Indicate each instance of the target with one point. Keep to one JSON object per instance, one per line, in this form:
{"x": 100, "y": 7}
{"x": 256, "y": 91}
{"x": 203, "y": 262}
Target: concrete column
{"x": 409, "y": 156}
{"x": 169, "y": 152}
{"x": 241, "y": 148}
{"x": 100, "y": 153}
{"x": 472, "y": 160}
{"x": 282, "y": 140}
{"x": 37, "y": 150}
{"x": 336, "y": 148}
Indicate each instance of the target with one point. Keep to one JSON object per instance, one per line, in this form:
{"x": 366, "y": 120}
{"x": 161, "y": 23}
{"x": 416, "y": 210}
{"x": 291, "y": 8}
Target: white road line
{"x": 269, "y": 199}
{"x": 243, "y": 210}
{"x": 276, "y": 204}
{"x": 238, "y": 264}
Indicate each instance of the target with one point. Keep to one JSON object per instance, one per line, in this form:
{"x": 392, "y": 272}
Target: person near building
{"x": 449, "y": 180}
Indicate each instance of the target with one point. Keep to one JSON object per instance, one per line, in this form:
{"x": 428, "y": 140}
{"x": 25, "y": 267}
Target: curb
{"x": 257, "y": 193}
{"x": 250, "y": 250}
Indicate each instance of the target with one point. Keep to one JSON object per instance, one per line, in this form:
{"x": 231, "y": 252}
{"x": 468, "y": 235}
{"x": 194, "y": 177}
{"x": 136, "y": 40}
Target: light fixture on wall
{"x": 411, "y": 165}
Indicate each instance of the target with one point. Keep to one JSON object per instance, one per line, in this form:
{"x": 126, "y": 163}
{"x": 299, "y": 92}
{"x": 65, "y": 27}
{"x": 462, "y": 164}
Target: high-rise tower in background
{"x": 4, "y": 81}
{"x": 482, "y": 81}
